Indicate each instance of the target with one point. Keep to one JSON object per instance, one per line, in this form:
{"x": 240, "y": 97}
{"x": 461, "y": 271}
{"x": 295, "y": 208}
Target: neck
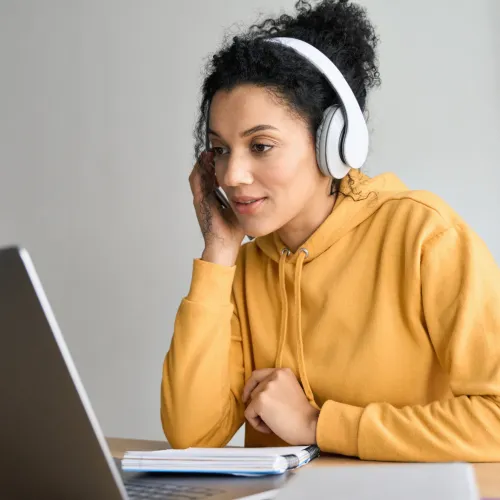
{"x": 299, "y": 229}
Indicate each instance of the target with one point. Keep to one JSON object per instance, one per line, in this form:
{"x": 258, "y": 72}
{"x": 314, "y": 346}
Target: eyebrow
{"x": 248, "y": 132}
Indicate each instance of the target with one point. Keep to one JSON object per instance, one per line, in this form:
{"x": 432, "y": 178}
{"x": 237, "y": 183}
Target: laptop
{"x": 51, "y": 443}
{"x": 388, "y": 481}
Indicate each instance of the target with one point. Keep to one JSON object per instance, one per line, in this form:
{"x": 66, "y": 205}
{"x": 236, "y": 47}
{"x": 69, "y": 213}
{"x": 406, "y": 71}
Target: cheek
{"x": 278, "y": 178}
{"x": 283, "y": 169}
{"x": 290, "y": 181}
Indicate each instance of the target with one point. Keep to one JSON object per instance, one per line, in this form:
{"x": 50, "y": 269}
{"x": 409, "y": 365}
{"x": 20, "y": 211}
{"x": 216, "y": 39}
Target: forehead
{"x": 246, "y": 106}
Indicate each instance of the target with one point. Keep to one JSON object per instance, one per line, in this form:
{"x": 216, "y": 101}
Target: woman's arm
{"x": 461, "y": 300}
{"x": 203, "y": 374}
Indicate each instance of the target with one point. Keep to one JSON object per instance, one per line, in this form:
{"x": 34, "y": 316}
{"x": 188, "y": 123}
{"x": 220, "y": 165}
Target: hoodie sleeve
{"x": 461, "y": 301}
{"x": 203, "y": 375}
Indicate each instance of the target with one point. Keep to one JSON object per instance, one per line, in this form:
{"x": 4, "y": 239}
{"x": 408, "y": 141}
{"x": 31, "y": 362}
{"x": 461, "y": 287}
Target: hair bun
{"x": 341, "y": 30}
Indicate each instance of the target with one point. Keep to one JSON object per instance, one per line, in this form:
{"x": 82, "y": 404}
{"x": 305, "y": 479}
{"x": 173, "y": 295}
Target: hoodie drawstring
{"x": 284, "y": 319}
{"x": 284, "y": 308}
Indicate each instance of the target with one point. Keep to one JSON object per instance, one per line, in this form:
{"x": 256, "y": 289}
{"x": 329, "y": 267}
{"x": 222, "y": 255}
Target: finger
{"x": 207, "y": 160}
{"x": 255, "y": 379}
{"x": 260, "y": 387}
{"x": 195, "y": 183}
{"x": 202, "y": 183}
{"x": 264, "y": 428}
{"x": 254, "y": 419}
{"x": 204, "y": 162}
{"x": 208, "y": 166}
{"x": 207, "y": 180}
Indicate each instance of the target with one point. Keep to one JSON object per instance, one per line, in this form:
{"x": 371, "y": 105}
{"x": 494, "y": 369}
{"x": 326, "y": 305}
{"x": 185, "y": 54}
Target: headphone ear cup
{"x": 328, "y": 143}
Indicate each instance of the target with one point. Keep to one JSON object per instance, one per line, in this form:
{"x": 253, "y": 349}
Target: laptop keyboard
{"x": 141, "y": 488}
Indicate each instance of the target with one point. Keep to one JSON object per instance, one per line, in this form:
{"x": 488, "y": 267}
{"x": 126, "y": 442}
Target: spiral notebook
{"x": 238, "y": 461}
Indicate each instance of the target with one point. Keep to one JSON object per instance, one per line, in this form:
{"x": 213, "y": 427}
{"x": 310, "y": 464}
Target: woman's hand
{"x": 220, "y": 228}
{"x": 278, "y": 404}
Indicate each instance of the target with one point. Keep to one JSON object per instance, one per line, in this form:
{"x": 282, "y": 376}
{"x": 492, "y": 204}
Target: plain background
{"x": 97, "y": 103}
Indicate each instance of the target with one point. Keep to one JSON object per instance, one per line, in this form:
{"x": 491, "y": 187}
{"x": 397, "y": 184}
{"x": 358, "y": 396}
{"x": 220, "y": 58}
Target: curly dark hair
{"x": 338, "y": 28}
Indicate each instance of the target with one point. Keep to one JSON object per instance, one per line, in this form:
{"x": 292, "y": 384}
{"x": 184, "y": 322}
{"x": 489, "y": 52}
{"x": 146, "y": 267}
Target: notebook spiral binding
{"x": 293, "y": 460}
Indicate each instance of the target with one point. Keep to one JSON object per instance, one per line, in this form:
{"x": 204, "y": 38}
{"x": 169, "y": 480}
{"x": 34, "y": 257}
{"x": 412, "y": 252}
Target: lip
{"x": 243, "y": 208}
{"x": 243, "y": 199}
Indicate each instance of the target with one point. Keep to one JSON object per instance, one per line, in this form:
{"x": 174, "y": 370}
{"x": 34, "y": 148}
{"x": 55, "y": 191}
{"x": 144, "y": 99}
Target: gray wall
{"x": 97, "y": 104}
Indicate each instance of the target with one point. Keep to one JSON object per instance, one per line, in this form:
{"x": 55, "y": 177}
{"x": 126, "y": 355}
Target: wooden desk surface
{"x": 487, "y": 475}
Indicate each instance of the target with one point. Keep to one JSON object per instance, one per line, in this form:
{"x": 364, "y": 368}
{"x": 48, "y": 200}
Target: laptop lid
{"x": 52, "y": 444}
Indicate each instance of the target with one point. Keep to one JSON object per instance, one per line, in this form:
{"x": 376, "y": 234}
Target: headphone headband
{"x": 355, "y": 140}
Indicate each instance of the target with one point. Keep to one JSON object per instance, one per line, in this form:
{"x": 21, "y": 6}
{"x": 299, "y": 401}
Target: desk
{"x": 487, "y": 475}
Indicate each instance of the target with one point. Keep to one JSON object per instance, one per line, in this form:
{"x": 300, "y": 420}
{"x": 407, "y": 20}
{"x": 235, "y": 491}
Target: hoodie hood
{"x": 359, "y": 197}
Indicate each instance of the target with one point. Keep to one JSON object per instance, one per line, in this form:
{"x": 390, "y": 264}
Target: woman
{"x": 363, "y": 317}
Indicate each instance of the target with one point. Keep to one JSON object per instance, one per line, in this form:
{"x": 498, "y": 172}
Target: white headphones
{"x": 342, "y": 138}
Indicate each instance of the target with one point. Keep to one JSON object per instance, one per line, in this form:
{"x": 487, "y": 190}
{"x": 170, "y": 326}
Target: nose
{"x": 236, "y": 171}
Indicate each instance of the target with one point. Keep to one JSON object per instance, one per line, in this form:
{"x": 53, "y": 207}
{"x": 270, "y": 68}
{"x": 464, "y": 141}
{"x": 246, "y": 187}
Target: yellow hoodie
{"x": 389, "y": 317}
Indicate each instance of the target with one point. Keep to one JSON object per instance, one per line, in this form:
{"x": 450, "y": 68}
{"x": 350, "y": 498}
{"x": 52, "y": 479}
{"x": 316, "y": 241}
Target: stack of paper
{"x": 241, "y": 461}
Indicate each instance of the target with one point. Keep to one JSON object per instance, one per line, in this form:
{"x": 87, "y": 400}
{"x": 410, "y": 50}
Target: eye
{"x": 260, "y": 148}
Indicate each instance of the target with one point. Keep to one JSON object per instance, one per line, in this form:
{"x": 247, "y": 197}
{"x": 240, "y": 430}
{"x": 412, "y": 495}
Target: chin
{"x": 257, "y": 230}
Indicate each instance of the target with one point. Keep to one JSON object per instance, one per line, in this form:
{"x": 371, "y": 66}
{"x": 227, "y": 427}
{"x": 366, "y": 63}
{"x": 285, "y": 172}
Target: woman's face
{"x": 265, "y": 160}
